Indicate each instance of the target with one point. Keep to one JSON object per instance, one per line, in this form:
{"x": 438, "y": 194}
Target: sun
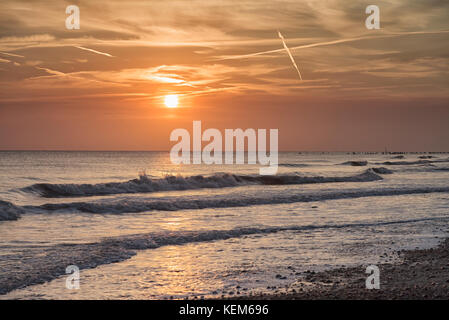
{"x": 171, "y": 101}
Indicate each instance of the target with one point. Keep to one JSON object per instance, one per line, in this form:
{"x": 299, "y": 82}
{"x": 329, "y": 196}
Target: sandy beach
{"x": 422, "y": 274}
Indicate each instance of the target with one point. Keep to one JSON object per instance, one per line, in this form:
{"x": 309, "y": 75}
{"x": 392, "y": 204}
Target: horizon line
{"x": 299, "y": 151}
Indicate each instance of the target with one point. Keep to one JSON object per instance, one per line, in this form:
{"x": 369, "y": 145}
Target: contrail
{"x": 290, "y": 54}
{"x": 94, "y": 51}
{"x": 333, "y": 42}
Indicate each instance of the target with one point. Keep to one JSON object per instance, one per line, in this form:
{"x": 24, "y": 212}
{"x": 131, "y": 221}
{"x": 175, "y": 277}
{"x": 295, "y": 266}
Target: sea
{"x": 137, "y": 226}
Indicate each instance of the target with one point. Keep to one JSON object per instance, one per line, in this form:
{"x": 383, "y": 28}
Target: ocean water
{"x": 139, "y": 227}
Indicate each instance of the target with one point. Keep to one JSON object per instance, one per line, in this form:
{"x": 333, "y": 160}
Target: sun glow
{"x": 171, "y": 101}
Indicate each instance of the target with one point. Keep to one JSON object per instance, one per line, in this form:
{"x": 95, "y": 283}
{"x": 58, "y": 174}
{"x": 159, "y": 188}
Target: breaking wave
{"x": 355, "y": 163}
{"x": 407, "y": 163}
{"x": 144, "y": 184}
{"x": 9, "y": 211}
{"x": 135, "y": 205}
{"x": 382, "y": 170}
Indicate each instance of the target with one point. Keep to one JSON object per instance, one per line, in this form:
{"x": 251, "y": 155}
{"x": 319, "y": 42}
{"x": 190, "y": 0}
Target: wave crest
{"x": 136, "y": 205}
{"x": 9, "y": 211}
{"x": 144, "y": 184}
{"x": 355, "y": 163}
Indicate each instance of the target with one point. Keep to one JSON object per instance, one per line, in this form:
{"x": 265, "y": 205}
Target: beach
{"x": 138, "y": 227}
{"x": 421, "y": 275}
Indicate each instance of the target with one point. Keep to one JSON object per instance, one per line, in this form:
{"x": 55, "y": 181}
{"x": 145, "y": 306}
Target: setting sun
{"x": 171, "y": 101}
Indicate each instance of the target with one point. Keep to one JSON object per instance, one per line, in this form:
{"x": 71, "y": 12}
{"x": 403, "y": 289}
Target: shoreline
{"x": 421, "y": 274}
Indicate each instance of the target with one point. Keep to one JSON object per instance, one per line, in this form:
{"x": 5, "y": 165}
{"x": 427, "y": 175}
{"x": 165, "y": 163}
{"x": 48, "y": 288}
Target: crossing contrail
{"x": 290, "y": 54}
{"x": 332, "y": 42}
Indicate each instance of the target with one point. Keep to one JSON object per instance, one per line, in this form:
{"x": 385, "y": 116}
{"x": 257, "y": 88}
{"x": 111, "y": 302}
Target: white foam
{"x": 145, "y": 184}
{"x": 135, "y": 205}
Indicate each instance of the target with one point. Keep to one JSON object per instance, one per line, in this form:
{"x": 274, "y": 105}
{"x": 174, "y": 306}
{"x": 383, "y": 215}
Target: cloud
{"x": 12, "y": 54}
{"x": 223, "y": 46}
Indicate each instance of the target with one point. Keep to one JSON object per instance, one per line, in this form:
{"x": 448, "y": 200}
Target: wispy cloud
{"x": 12, "y": 54}
{"x": 52, "y": 72}
{"x": 206, "y": 47}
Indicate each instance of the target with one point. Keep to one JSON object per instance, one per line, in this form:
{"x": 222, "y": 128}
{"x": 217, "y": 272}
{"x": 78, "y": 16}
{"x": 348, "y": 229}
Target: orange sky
{"x": 102, "y": 87}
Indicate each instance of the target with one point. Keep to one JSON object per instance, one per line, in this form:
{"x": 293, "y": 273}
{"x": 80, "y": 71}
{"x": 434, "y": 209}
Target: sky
{"x": 102, "y": 87}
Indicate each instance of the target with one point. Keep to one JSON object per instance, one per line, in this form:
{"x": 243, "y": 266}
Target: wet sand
{"x": 421, "y": 274}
